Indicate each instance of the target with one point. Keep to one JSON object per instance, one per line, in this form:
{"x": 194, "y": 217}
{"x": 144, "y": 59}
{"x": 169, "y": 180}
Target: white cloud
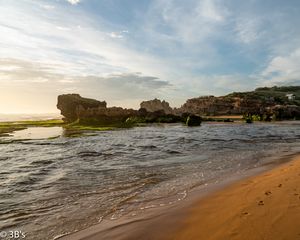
{"x": 115, "y": 35}
{"x": 209, "y": 10}
{"x": 47, "y": 7}
{"x": 201, "y": 47}
{"x": 94, "y": 52}
{"x": 283, "y": 69}
{"x": 74, "y": 2}
{"x": 247, "y": 30}
{"x": 183, "y": 23}
{"x": 120, "y": 89}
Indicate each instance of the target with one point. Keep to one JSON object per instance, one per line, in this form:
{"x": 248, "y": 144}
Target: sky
{"x": 127, "y": 51}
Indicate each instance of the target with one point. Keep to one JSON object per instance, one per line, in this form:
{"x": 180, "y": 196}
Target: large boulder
{"x": 156, "y": 105}
{"x": 71, "y": 105}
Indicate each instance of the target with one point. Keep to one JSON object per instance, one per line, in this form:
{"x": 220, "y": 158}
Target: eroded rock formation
{"x": 71, "y": 105}
{"x": 213, "y": 106}
{"x": 74, "y": 107}
{"x": 156, "y": 105}
{"x": 266, "y": 103}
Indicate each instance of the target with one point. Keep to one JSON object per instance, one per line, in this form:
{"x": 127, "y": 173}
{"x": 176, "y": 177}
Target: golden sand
{"x": 261, "y": 207}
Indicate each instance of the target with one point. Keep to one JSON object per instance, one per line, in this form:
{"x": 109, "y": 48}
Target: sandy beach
{"x": 265, "y": 206}
{"x": 261, "y": 207}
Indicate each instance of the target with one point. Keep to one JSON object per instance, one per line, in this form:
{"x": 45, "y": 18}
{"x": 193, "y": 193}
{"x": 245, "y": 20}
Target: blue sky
{"x": 126, "y": 51}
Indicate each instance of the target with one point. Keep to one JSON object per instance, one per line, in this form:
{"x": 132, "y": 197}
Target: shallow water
{"x": 52, "y": 187}
{"x": 36, "y": 133}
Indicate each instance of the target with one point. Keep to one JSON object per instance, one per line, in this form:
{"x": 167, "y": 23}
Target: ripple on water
{"x": 111, "y": 174}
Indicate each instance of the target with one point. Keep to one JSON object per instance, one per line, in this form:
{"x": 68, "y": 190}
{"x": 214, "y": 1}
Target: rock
{"x": 281, "y": 112}
{"x": 213, "y": 106}
{"x": 76, "y": 108}
{"x": 263, "y": 103}
{"x": 156, "y": 105}
{"x": 193, "y": 120}
{"x": 71, "y": 105}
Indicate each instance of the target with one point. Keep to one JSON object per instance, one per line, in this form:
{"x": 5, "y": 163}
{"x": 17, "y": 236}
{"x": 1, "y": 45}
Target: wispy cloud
{"x": 123, "y": 89}
{"x": 247, "y": 30}
{"x": 283, "y": 69}
{"x": 73, "y": 2}
{"x": 182, "y": 48}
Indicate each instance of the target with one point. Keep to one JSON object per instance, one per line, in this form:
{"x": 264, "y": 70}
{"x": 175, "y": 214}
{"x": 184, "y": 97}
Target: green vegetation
{"x": 6, "y": 129}
{"x": 88, "y": 127}
{"x": 73, "y": 129}
{"x": 95, "y": 125}
{"x": 277, "y": 94}
{"x": 248, "y": 119}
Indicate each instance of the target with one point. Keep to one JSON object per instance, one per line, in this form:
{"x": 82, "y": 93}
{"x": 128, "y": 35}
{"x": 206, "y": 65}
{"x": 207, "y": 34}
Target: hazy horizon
{"x": 125, "y": 51}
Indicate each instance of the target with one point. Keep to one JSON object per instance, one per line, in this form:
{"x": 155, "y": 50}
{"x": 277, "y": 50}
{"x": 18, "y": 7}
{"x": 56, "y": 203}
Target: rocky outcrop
{"x": 263, "y": 104}
{"x": 281, "y": 112}
{"x": 71, "y": 105}
{"x": 74, "y": 107}
{"x": 213, "y": 106}
{"x": 240, "y": 105}
{"x": 156, "y": 105}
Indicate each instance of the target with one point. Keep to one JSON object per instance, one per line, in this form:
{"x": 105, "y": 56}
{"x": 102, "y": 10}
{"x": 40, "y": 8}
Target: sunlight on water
{"x": 36, "y": 133}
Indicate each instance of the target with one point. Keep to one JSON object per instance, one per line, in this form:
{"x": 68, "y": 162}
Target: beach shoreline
{"x": 182, "y": 220}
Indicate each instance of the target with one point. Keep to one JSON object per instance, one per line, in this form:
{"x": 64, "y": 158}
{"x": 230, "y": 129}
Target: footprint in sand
{"x": 268, "y": 193}
{"x": 280, "y": 185}
{"x": 245, "y": 213}
{"x": 261, "y": 203}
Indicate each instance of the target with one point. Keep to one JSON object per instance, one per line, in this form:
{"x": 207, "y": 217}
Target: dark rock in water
{"x": 248, "y": 118}
{"x": 193, "y": 120}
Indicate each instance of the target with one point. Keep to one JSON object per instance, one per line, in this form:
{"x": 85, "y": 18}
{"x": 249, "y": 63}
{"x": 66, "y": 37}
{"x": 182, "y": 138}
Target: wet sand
{"x": 265, "y": 206}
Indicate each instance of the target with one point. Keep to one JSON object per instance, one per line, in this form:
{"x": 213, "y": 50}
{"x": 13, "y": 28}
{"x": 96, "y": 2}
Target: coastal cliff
{"x": 275, "y": 103}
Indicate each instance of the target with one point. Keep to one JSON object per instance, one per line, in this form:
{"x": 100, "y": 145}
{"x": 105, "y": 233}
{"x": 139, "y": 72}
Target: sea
{"x": 56, "y": 183}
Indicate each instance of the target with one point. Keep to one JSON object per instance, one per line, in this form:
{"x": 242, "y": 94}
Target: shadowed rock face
{"x": 156, "y": 105}
{"x": 265, "y": 102}
{"x": 70, "y": 105}
{"x": 223, "y": 106}
{"x": 212, "y": 106}
{"x": 286, "y": 112}
{"x": 74, "y": 107}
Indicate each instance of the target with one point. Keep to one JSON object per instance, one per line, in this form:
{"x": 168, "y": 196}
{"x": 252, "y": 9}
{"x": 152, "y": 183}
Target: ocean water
{"x": 27, "y": 117}
{"x": 50, "y": 187}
